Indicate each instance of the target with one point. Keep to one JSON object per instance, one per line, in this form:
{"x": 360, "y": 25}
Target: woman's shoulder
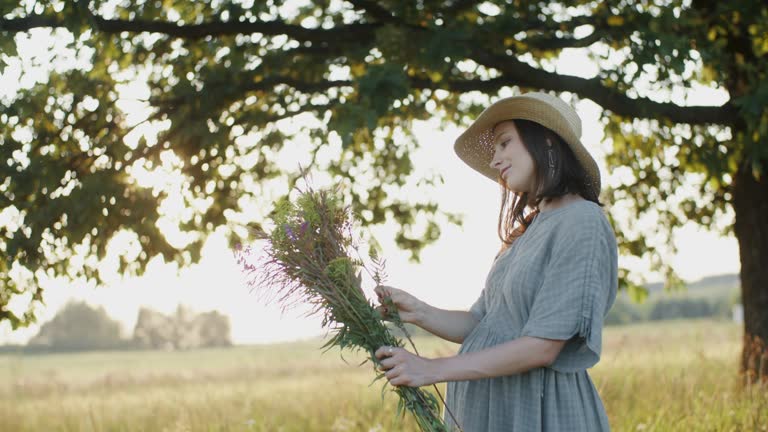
{"x": 579, "y": 218}
{"x": 576, "y": 211}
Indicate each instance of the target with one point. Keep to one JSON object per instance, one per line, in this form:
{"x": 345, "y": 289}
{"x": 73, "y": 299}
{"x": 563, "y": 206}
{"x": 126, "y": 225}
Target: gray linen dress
{"x": 556, "y": 281}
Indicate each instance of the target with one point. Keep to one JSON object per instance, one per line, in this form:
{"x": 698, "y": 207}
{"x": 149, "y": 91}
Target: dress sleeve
{"x": 579, "y": 286}
{"x": 478, "y": 309}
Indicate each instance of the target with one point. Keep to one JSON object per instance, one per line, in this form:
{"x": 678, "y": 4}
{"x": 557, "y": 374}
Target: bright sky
{"x": 452, "y": 271}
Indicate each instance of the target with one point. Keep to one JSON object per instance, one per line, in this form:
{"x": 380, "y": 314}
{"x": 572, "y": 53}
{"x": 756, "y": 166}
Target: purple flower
{"x": 304, "y": 227}
{"x": 289, "y": 232}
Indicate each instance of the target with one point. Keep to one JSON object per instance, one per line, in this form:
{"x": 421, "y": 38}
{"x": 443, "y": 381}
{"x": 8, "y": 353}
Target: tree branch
{"x": 460, "y": 86}
{"x": 199, "y": 31}
{"x": 519, "y": 73}
{"x": 514, "y": 71}
{"x": 458, "y": 7}
{"x": 556, "y": 43}
{"x": 263, "y": 85}
{"x": 16, "y": 25}
{"x": 374, "y": 9}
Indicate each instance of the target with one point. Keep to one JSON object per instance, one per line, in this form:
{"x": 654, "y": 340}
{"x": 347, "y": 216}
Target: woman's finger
{"x": 384, "y": 351}
{"x": 386, "y": 291}
{"x": 398, "y": 381}
{"x": 388, "y": 363}
{"x": 393, "y": 373}
{"x": 383, "y": 311}
{"x": 380, "y": 353}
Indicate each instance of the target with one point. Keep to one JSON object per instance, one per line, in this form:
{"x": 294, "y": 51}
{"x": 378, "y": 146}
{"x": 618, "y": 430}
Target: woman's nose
{"x": 495, "y": 162}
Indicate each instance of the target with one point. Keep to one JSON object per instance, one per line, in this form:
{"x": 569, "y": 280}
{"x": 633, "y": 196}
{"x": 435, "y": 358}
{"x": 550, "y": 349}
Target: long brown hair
{"x": 566, "y": 176}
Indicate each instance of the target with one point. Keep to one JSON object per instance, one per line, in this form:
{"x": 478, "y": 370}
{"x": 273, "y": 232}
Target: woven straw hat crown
{"x": 475, "y": 145}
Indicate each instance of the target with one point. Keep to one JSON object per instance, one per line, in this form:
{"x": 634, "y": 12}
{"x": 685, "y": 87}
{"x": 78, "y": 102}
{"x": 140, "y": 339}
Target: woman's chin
{"x": 512, "y": 187}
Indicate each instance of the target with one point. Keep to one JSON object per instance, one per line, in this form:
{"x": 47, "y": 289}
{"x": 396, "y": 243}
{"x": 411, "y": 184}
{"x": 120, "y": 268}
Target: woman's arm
{"x": 450, "y": 325}
{"x": 509, "y": 358}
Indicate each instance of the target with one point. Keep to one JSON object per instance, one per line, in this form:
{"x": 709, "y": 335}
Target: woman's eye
{"x": 503, "y": 144}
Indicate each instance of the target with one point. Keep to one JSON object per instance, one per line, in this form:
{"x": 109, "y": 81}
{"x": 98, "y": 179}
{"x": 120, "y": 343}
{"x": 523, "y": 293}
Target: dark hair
{"x": 567, "y": 176}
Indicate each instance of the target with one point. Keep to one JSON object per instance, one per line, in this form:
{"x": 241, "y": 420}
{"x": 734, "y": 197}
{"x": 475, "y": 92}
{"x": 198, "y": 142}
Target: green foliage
{"x": 309, "y": 261}
{"x": 221, "y": 75}
{"x": 341, "y": 272}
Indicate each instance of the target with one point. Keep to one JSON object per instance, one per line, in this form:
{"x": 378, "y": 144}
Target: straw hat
{"x": 475, "y": 145}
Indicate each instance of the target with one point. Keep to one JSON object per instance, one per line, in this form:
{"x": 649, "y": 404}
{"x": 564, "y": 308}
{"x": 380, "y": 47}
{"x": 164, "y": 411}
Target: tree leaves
{"x": 222, "y": 75}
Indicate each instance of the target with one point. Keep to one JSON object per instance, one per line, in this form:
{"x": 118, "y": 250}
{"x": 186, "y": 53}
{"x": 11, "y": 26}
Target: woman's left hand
{"x": 406, "y": 369}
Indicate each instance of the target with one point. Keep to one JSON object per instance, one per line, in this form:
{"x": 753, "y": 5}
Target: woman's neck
{"x": 553, "y": 203}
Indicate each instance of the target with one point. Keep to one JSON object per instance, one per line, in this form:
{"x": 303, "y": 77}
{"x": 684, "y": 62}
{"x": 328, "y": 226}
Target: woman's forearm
{"x": 509, "y": 358}
{"x": 450, "y": 325}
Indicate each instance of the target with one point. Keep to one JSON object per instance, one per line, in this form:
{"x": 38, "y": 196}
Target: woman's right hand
{"x": 409, "y": 307}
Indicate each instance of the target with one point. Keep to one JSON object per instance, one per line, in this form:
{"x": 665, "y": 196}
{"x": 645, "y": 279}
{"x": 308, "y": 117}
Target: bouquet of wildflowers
{"x": 307, "y": 259}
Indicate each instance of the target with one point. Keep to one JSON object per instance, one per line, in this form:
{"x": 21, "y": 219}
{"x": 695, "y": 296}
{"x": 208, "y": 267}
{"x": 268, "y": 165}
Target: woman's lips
{"x": 503, "y": 171}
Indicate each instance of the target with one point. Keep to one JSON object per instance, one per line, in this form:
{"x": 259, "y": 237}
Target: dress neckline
{"x": 543, "y": 215}
{"x": 548, "y": 213}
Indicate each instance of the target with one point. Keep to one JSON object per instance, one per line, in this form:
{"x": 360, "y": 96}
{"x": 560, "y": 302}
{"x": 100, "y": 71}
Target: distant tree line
{"x": 182, "y": 330}
{"x": 624, "y": 311}
{"x": 81, "y": 327}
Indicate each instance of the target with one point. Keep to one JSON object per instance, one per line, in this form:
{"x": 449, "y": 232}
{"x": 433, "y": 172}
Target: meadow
{"x": 660, "y": 376}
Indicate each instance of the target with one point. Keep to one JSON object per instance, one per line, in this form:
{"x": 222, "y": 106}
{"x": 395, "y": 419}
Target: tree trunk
{"x": 750, "y": 202}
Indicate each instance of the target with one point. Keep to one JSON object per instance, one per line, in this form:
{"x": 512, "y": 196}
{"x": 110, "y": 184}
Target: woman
{"x": 527, "y": 342}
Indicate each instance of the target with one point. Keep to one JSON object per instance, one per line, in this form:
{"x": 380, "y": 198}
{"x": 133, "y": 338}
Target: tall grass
{"x": 670, "y": 376}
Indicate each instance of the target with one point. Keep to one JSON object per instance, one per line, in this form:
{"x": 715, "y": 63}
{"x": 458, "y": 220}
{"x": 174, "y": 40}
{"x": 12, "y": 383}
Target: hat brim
{"x": 475, "y": 145}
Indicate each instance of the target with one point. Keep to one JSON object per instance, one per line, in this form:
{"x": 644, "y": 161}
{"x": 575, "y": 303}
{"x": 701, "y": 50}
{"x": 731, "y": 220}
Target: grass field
{"x": 670, "y": 376}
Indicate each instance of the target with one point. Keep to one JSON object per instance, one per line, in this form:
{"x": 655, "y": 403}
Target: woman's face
{"x": 511, "y": 158}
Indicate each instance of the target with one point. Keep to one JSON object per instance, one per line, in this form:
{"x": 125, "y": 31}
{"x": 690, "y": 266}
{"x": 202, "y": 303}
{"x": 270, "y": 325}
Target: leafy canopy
{"x": 224, "y": 76}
